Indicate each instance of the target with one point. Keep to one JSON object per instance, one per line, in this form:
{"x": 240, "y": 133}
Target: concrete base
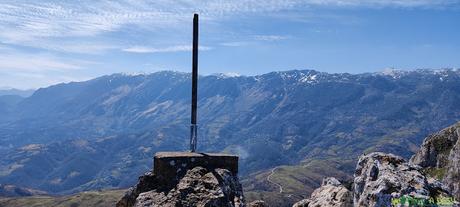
{"x": 173, "y": 165}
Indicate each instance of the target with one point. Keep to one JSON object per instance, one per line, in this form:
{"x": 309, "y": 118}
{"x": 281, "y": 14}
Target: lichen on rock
{"x": 381, "y": 177}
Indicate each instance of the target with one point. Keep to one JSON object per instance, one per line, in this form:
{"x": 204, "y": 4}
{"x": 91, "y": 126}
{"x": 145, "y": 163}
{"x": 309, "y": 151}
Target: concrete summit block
{"x": 173, "y": 165}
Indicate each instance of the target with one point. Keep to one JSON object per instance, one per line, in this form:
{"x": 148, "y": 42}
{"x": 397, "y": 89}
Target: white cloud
{"x": 177, "y": 48}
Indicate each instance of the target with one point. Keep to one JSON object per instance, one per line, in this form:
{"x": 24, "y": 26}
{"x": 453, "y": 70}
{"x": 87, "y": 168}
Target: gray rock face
{"x": 198, "y": 187}
{"x": 380, "y": 177}
{"x": 331, "y": 193}
{"x": 440, "y": 155}
{"x": 146, "y": 182}
{"x": 302, "y": 203}
{"x": 452, "y": 179}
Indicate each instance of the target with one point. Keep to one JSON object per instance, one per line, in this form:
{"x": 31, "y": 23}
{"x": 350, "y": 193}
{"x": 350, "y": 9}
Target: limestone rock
{"x": 440, "y": 155}
{"x": 302, "y": 203}
{"x": 198, "y": 187}
{"x": 379, "y": 177}
{"x": 146, "y": 182}
{"x": 331, "y": 193}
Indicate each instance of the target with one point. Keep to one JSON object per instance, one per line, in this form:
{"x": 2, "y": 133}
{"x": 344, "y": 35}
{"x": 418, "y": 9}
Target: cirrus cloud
{"x": 24, "y": 22}
{"x": 177, "y": 48}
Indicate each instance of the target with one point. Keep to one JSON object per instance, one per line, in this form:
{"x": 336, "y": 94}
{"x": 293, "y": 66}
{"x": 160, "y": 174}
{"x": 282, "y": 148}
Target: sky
{"x": 47, "y": 42}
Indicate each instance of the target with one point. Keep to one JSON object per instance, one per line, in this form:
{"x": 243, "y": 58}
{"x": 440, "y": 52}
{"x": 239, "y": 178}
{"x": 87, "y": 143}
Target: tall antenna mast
{"x": 193, "y": 126}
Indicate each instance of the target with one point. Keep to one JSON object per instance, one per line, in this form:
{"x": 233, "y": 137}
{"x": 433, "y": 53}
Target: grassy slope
{"x": 297, "y": 181}
{"x": 86, "y": 199}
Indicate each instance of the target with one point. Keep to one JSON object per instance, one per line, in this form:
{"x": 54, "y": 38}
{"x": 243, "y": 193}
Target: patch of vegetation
{"x": 437, "y": 173}
{"x": 106, "y": 198}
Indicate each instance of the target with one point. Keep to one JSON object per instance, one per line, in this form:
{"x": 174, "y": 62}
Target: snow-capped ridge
{"x": 226, "y": 75}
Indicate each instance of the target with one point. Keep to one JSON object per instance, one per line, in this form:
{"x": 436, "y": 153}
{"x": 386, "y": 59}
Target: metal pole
{"x": 193, "y": 126}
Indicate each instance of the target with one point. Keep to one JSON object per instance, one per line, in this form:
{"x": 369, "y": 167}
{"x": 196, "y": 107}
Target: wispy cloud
{"x": 27, "y": 80}
{"x": 270, "y": 37}
{"x": 235, "y": 44}
{"x": 34, "y": 63}
{"x": 25, "y": 22}
{"x": 253, "y": 39}
{"x": 32, "y": 70}
{"x": 384, "y": 3}
{"x": 177, "y": 48}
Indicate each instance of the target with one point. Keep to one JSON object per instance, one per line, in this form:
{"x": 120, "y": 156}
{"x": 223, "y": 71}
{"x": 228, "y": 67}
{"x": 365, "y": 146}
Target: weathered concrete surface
{"x": 173, "y": 165}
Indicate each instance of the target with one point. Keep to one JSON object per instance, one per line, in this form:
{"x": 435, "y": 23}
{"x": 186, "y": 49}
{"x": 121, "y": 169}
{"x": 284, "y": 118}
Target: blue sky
{"x": 48, "y": 42}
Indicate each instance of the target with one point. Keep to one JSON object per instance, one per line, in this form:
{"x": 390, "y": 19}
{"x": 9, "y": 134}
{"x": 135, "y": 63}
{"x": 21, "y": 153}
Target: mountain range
{"x": 287, "y": 127}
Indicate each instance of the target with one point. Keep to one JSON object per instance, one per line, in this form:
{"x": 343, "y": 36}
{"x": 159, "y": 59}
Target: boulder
{"x": 331, "y": 193}
{"x": 380, "y": 177}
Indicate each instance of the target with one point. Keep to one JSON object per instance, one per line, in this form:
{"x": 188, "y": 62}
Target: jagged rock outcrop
{"x": 331, "y": 193}
{"x": 379, "y": 177}
{"x": 198, "y": 187}
{"x": 440, "y": 156}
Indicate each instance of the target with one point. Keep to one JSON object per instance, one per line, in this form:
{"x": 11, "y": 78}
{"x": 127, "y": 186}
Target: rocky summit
{"x": 440, "y": 156}
{"x": 198, "y": 187}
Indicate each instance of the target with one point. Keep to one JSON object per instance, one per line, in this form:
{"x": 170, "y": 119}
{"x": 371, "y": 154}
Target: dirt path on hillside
{"x": 268, "y": 179}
